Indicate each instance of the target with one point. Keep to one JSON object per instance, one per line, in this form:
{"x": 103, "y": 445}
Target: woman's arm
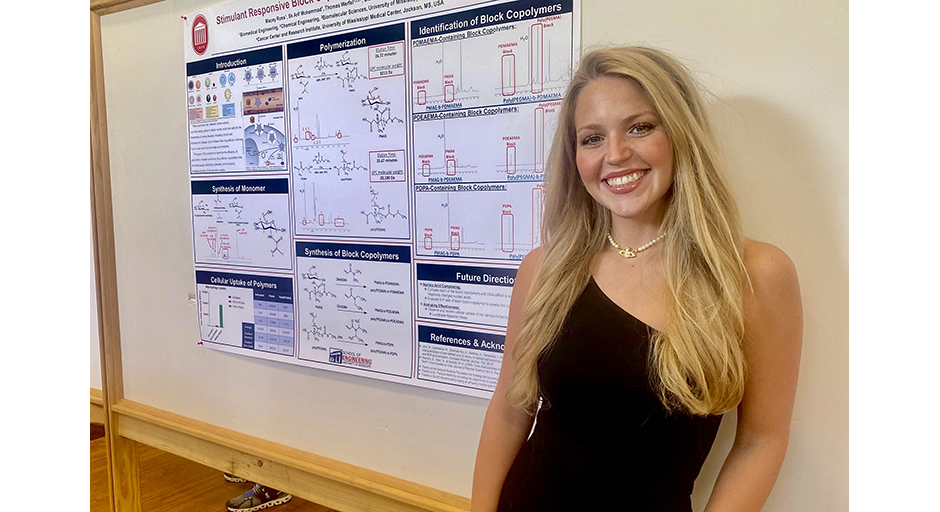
{"x": 505, "y": 428}
{"x": 774, "y": 326}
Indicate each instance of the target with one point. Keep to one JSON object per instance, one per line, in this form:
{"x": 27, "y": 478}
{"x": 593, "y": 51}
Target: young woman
{"x": 644, "y": 316}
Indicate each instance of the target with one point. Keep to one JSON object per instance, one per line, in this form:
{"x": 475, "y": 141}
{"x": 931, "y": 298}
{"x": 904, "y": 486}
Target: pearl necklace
{"x": 629, "y": 252}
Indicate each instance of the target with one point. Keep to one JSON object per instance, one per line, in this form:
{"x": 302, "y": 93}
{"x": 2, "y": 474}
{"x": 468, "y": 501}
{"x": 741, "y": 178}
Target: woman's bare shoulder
{"x": 773, "y": 278}
{"x": 767, "y": 264}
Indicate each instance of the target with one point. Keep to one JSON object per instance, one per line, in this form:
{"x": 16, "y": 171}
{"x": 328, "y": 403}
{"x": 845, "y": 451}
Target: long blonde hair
{"x": 697, "y": 361}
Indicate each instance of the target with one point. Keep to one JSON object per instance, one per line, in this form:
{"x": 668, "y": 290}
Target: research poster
{"x": 366, "y": 176}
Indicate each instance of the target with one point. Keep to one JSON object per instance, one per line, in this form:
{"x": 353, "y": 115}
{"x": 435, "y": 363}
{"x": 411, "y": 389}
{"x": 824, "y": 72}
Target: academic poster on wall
{"x": 366, "y": 176}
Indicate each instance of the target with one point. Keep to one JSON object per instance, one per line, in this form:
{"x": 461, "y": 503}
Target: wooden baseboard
{"x": 97, "y": 407}
{"x": 328, "y": 482}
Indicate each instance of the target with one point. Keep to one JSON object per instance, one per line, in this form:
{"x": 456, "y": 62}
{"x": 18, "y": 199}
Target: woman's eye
{"x": 641, "y": 128}
{"x": 590, "y": 139}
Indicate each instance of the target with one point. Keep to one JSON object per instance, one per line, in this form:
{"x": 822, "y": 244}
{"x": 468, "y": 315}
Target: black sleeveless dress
{"x": 603, "y": 441}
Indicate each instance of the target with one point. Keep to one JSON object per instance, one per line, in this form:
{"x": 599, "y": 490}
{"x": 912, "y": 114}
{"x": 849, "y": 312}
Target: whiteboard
{"x": 781, "y": 107}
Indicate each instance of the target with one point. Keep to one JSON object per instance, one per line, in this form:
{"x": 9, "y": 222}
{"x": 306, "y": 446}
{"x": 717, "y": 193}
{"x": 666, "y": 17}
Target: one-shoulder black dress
{"x": 603, "y": 441}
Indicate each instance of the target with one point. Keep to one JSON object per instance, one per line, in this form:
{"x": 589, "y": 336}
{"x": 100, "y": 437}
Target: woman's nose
{"x": 618, "y": 149}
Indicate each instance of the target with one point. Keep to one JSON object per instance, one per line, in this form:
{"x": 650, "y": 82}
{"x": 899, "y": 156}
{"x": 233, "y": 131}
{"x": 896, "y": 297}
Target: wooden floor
{"x": 172, "y": 484}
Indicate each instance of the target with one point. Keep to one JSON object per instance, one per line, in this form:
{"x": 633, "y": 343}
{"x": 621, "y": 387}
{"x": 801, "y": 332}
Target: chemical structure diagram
{"x": 345, "y": 60}
{"x": 317, "y": 288}
{"x": 270, "y": 229}
{"x": 236, "y": 207}
{"x": 355, "y": 327}
{"x": 352, "y": 76}
{"x": 347, "y": 71}
{"x": 315, "y": 167}
{"x": 322, "y": 64}
{"x": 345, "y": 167}
{"x": 382, "y": 112}
{"x": 378, "y": 214}
{"x": 299, "y": 74}
{"x": 350, "y": 278}
{"x": 352, "y": 272}
{"x": 356, "y": 299}
{"x": 320, "y": 332}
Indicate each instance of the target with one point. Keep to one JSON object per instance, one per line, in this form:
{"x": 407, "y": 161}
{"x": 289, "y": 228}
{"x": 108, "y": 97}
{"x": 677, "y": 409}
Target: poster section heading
{"x": 237, "y": 60}
{"x": 360, "y": 252}
{"x": 274, "y": 289}
{"x": 460, "y": 358}
{"x": 259, "y": 186}
{"x": 425, "y": 31}
{"x": 460, "y": 114}
{"x": 471, "y": 295}
{"x": 467, "y": 275}
{"x": 347, "y": 41}
{"x": 461, "y": 339}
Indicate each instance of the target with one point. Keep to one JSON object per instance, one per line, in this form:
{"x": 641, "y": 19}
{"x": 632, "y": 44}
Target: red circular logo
{"x": 200, "y": 34}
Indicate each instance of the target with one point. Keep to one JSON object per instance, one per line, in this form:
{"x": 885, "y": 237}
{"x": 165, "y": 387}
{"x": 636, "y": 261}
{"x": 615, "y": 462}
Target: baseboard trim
{"x": 97, "y": 407}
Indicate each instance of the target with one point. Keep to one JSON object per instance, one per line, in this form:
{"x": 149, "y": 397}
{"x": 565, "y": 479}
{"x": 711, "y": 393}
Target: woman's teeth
{"x": 623, "y": 180}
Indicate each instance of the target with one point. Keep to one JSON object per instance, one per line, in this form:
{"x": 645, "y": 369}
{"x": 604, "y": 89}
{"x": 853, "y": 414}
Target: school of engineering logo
{"x": 336, "y": 355}
{"x": 200, "y": 34}
{"x": 349, "y": 358}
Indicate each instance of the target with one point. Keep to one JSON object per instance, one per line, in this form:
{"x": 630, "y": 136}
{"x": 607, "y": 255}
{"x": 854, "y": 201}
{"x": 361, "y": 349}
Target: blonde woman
{"x": 643, "y": 318}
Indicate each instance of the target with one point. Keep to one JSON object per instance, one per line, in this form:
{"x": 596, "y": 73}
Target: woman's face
{"x": 623, "y": 154}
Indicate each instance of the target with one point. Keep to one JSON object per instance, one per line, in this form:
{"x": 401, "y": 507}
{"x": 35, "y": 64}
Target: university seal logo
{"x": 200, "y": 34}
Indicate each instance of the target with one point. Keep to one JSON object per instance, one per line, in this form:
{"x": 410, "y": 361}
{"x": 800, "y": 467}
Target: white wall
{"x": 779, "y": 73}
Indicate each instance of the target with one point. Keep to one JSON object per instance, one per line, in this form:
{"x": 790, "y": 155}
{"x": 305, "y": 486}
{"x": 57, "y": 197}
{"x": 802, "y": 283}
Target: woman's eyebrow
{"x": 628, "y": 120}
{"x": 592, "y": 127}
